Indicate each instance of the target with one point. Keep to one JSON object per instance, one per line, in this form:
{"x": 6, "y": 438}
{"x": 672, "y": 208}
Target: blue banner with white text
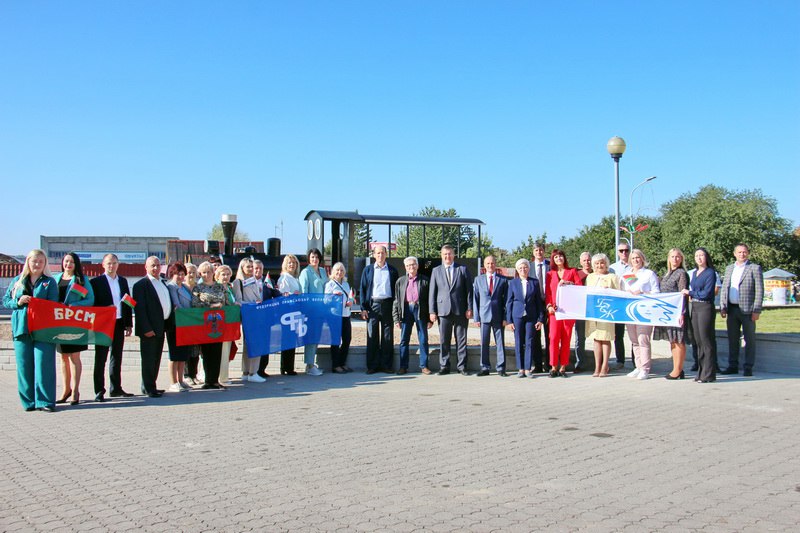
{"x": 292, "y": 321}
{"x": 576, "y": 302}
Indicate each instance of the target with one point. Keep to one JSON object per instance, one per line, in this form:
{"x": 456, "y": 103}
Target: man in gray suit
{"x": 450, "y": 300}
{"x": 489, "y": 305}
{"x": 740, "y": 302}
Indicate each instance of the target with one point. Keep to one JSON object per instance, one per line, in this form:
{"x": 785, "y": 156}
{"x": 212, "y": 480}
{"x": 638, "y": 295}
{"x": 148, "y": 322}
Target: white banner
{"x": 576, "y": 302}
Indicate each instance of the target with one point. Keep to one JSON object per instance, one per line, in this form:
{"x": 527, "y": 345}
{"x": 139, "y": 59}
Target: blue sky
{"x": 153, "y": 118}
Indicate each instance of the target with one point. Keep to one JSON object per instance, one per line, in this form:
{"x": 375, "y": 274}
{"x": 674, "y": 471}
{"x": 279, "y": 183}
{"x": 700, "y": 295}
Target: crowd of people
{"x": 526, "y": 304}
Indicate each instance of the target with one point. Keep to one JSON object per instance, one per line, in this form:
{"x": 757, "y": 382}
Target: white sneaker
{"x": 175, "y": 387}
{"x": 255, "y": 378}
{"x": 313, "y": 370}
{"x": 643, "y": 375}
{"x": 245, "y": 377}
{"x": 634, "y": 374}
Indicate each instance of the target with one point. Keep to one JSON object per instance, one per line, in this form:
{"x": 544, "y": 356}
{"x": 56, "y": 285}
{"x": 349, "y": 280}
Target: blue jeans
{"x": 410, "y": 318}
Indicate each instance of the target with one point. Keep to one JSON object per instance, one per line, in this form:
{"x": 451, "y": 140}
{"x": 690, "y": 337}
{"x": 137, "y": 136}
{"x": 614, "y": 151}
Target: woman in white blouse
{"x": 640, "y": 280}
{"x": 288, "y": 285}
{"x": 338, "y": 285}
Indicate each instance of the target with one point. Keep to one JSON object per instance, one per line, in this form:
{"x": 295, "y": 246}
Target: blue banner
{"x": 292, "y": 321}
{"x": 575, "y": 302}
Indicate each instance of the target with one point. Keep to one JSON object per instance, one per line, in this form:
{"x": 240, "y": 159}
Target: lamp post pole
{"x": 630, "y": 205}
{"x": 616, "y": 147}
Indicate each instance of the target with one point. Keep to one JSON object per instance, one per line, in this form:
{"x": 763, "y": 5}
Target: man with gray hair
{"x": 410, "y": 308}
{"x": 489, "y": 307}
{"x": 450, "y": 302}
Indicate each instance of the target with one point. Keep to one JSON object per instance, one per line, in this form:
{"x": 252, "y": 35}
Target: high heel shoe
{"x": 65, "y": 397}
{"x": 76, "y": 399}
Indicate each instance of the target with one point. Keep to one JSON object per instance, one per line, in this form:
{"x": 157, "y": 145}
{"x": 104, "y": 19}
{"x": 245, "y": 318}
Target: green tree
{"x": 525, "y": 248}
{"x": 717, "y": 219}
{"x": 215, "y": 234}
{"x": 464, "y": 238}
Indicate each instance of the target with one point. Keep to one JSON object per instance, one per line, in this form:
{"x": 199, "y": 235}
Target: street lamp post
{"x": 630, "y": 206}
{"x": 616, "y": 147}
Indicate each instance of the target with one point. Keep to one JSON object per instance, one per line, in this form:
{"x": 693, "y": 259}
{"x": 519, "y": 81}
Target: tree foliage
{"x": 428, "y": 241}
{"x": 717, "y": 219}
{"x": 215, "y": 234}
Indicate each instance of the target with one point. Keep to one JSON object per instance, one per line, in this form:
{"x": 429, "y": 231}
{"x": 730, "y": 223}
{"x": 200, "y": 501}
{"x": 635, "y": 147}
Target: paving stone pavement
{"x": 411, "y": 453}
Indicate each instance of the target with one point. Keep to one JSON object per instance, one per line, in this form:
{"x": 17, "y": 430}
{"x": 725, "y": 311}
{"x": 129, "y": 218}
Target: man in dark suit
{"x": 154, "y": 316}
{"x": 540, "y": 267}
{"x": 489, "y": 306}
{"x": 740, "y": 301}
{"x": 451, "y": 302}
{"x": 109, "y": 289}
{"x": 377, "y": 298}
{"x": 410, "y": 308}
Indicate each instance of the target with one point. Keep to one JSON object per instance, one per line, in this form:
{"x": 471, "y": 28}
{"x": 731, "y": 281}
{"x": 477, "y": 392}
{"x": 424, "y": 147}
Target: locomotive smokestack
{"x": 228, "y": 230}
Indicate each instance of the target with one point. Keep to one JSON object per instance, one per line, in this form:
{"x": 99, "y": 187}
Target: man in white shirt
{"x": 620, "y": 268}
{"x": 154, "y": 316}
{"x": 377, "y": 299}
{"x": 539, "y": 269}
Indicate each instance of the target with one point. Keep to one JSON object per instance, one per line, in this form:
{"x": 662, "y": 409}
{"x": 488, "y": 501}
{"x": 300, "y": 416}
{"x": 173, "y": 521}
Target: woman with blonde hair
{"x": 601, "y": 332}
{"x": 193, "y": 361}
{"x": 675, "y": 280}
{"x": 338, "y": 285}
{"x": 640, "y": 280}
{"x": 36, "y": 360}
{"x": 223, "y": 275}
{"x": 209, "y": 293}
{"x": 287, "y": 286}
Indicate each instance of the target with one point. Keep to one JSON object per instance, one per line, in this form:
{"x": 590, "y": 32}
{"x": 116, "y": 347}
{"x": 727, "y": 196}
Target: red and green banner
{"x": 60, "y": 324}
{"x": 203, "y": 325}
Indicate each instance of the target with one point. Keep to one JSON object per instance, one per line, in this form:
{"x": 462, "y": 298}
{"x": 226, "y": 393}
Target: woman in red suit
{"x": 560, "y": 330}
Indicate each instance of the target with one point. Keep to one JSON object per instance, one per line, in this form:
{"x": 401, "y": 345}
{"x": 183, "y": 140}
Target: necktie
{"x": 491, "y": 285}
{"x": 449, "y": 276}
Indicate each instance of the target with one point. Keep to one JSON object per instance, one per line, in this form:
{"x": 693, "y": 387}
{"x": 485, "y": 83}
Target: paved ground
{"x": 404, "y": 453}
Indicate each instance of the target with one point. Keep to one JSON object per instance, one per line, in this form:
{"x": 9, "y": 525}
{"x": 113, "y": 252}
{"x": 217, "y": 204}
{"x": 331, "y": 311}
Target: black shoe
{"x": 463, "y": 372}
{"x": 48, "y": 409}
{"x": 671, "y": 377}
{"x": 386, "y": 371}
{"x": 443, "y": 372}
{"x": 538, "y": 369}
{"x": 502, "y": 373}
{"x": 100, "y": 397}
{"x": 483, "y": 372}
{"x": 695, "y": 368}
{"x": 748, "y": 373}
{"x": 207, "y": 386}
{"x": 160, "y": 391}
{"x": 547, "y": 368}
{"x": 371, "y": 371}
{"x": 29, "y": 409}
{"x": 554, "y": 373}
{"x": 562, "y": 373}
{"x": 577, "y": 369}
{"x": 121, "y": 394}
{"x": 729, "y": 371}
{"x": 154, "y": 394}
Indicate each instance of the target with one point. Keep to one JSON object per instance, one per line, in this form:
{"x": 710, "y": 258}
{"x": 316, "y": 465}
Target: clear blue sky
{"x": 153, "y": 118}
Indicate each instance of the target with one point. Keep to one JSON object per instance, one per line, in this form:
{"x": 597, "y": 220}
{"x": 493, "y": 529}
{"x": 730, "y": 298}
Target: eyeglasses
{"x": 624, "y": 251}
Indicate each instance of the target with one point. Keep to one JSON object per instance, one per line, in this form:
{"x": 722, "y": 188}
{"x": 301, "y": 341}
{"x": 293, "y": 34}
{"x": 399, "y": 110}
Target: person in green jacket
{"x": 36, "y": 361}
{"x": 72, "y": 283}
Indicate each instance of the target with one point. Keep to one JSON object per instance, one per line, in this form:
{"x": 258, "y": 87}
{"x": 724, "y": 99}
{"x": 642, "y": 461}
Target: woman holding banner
{"x": 312, "y": 281}
{"x": 193, "y": 361}
{"x": 209, "y": 293}
{"x": 223, "y": 275}
{"x": 288, "y": 285}
{"x": 73, "y": 289}
{"x": 249, "y": 288}
{"x": 560, "y": 330}
{"x": 601, "y": 332}
{"x": 640, "y": 280}
{"x": 338, "y": 285}
{"x": 181, "y": 297}
{"x": 675, "y": 280}
{"x": 36, "y": 360}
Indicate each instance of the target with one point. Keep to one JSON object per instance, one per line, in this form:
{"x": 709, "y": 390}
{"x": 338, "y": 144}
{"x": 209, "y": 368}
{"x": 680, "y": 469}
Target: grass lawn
{"x": 773, "y": 320}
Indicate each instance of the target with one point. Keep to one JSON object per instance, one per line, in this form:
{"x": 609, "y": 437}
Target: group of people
{"x": 526, "y": 304}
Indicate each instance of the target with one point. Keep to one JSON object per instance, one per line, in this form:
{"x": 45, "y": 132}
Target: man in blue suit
{"x": 377, "y": 299}
{"x": 450, "y": 300}
{"x": 489, "y": 305}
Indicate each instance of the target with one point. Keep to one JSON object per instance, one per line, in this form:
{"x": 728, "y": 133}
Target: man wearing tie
{"x": 154, "y": 316}
{"x": 109, "y": 289}
{"x": 541, "y": 267}
{"x": 377, "y": 299}
{"x": 489, "y": 305}
{"x": 450, "y": 301}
